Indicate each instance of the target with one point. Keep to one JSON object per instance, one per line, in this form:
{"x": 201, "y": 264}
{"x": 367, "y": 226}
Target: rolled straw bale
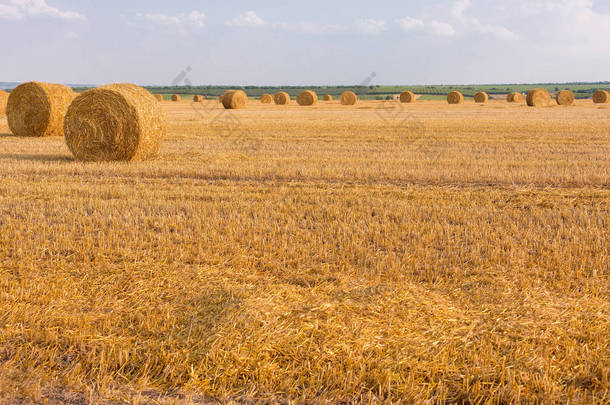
{"x": 307, "y": 98}
{"x": 3, "y": 101}
{"x": 176, "y": 97}
{"x": 407, "y": 97}
{"x": 328, "y": 97}
{"x": 601, "y": 97}
{"x": 115, "y": 122}
{"x": 234, "y": 99}
{"x": 198, "y": 99}
{"x": 282, "y": 98}
{"x": 455, "y": 97}
{"x": 349, "y": 98}
{"x": 538, "y": 98}
{"x": 38, "y": 109}
{"x": 514, "y": 97}
{"x": 565, "y": 97}
{"x": 481, "y": 97}
{"x": 266, "y": 99}
{"x": 159, "y": 97}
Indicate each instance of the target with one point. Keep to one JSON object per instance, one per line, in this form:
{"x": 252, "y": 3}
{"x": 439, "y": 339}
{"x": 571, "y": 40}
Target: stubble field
{"x": 378, "y": 252}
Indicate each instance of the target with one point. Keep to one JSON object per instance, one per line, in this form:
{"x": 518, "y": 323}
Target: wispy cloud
{"x": 22, "y": 9}
{"x": 194, "y": 19}
{"x": 410, "y": 24}
{"x": 248, "y": 19}
{"x": 371, "y": 26}
{"x": 311, "y": 28}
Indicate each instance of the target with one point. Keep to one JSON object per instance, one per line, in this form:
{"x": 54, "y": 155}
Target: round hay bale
{"x": 176, "y": 97}
{"x": 38, "y": 109}
{"x": 198, "y": 99}
{"x": 328, "y": 97}
{"x": 266, "y": 99}
{"x": 481, "y": 97}
{"x": 538, "y": 98}
{"x": 115, "y": 122}
{"x": 407, "y": 97}
{"x": 282, "y": 98}
{"x": 514, "y": 98}
{"x": 307, "y": 98}
{"x": 349, "y": 98}
{"x": 234, "y": 99}
{"x": 3, "y": 101}
{"x": 159, "y": 97}
{"x": 455, "y": 97}
{"x": 565, "y": 97}
{"x": 601, "y": 97}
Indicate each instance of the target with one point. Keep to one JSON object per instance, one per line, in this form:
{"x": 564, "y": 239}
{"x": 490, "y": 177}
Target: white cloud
{"x": 311, "y": 28}
{"x": 20, "y": 9}
{"x": 247, "y": 19}
{"x": 410, "y": 24}
{"x": 194, "y": 18}
{"x": 371, "y": 27}
{"x": 442, "y": 28}
{"x": 433, "y": 27}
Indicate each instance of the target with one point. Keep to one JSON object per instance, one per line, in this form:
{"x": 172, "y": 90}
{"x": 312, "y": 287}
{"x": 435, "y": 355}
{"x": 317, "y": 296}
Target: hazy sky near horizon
{"x": 279, "y": 42}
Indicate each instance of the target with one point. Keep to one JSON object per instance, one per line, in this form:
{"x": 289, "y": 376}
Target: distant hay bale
{"x": 601, "y": 97}
{"x": 514, "y": 97}
{"x": 266, "y": 99}
{"x": 176, "y": 97}
{"x": 307, "y": 98}
{"x": 234, "y": 99}
{"x": 282, "y": 98}
{"x": 117, "y": 122}
{"x": 38, "y": 109}
{"x": 455, "y": 97}
{"x": 159, "y": 97}
{"x": 3, "y": 101}
{"x": 481, "y": 97}
{"x": 198, "y": 99}
{"x": 538, "y": 98}
{"x": 565, "y": 97}
{"x": 328, "y": 97}
{"x": 349, "y": 98}
{"x": 407, "y": 97}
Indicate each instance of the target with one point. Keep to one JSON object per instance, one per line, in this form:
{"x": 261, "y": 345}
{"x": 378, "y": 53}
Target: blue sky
{"x": 280, "y": 42}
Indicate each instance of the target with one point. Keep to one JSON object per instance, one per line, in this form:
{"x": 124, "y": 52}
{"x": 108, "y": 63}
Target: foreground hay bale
{"x": 565, "y": 97}
{"x": 38, "y": 109}
{"x": 307, "y": 98}
{"x": 481, "y": 97}
{"x": 176, "y": 97}
{"x": 514, "y": 98}
{"x": 282, "y": 98}
{"x": 3, "y": 101}
{"x": 601, "y": 97}
{"x": 328, "y": 97}
{"x": 407, "y": 97}
{"x": 234, "y": 99}
{"x": 455, "y": 97}
{"x": 266, "y": 99}
{"x": 115, "y": 122}
{"x": 159, "y": 97}
{"x": 349, "y": 98}
{"x": 198, "y": 99}
{"x": 538, "y": 98}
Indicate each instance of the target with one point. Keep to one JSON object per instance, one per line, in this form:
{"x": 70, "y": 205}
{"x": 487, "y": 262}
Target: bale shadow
{"x": 41, "y": 158}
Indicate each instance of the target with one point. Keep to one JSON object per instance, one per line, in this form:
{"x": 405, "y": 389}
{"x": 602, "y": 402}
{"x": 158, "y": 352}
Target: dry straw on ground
{"x": 38, "y": 109}
{"x": 565, "y": 97}
{"x": 538, "y": 98}
{"x": 266, "y": 99}
{"x": 282, "y": 98}
{"x": 455, "y": 97}
{"x": 198, "y": 99}
{"x": 481, "y": 97}
{"x": 349, "y": 98}
{"x": 115, "y": 122}
{"x": 407, "y": 97}
{"x": 3, "y": 101}
{"x": 176, "y": 97}
{"x": 159, "y": 97}
{"x": 514, "y": 98}
{"x": 307, "y": 98}
{"x": 601, "y": 97}
{"x": 234, "y": 99}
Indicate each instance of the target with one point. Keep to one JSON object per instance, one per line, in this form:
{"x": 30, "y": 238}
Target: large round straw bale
{"x": 198, "y": 99}
{"x": 38, "y": 109}
{"x": 481, "y": 97}
{"x": 328, "y": 97}
{"x": 565, "y": 97}
{"x": 115, "y": 122}
{"x": 349, "y": 98}
{"x": 176, "y": 97}
{"x": 601, "y": 97}
{"x": 307, "y": 98}
{"x": 3, "y": 101}
{"x": 514, "y": 97}
{"x": 538, "y": 98}
{"x": 282, "y": 98}
{"x": 266, "y": 99}
{"x": 159, "y": 97}
{"x": 455, "y": 97}
{"x": 407, "y": 97}
{"x": 234, "y": 99}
